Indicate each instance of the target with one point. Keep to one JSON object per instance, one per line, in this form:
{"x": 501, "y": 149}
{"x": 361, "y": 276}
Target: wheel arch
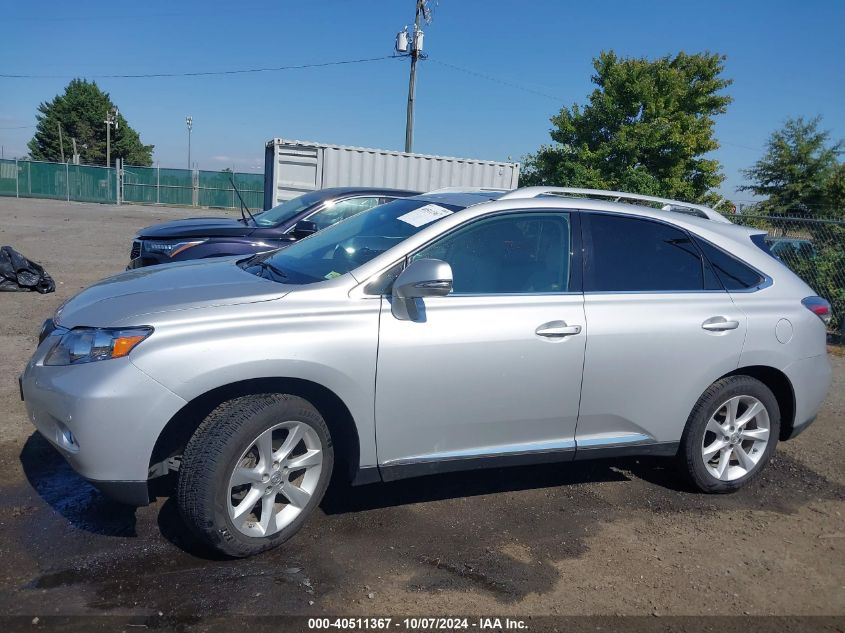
{"x": 179, "y": 429}
{"x": 780, "y": 386}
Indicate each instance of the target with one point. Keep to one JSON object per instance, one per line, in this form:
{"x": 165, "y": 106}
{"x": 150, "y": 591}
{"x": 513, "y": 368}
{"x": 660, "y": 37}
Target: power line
{"x": 111, "y": 17}
{"x": 205, "y": 73}
{"x": 497, "y": 80}
{"x": 18, "y": 127}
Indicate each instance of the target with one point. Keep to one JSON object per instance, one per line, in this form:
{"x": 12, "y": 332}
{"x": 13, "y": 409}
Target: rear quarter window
{"x": 734, "y": 274}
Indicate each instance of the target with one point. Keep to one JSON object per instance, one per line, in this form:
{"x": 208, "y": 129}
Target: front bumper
{"x": 103, "y": 417}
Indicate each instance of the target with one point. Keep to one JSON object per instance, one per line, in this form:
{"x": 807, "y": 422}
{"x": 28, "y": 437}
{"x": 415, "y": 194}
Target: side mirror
{"x": 304, "y": 228}
{"x": 422, "y": 278}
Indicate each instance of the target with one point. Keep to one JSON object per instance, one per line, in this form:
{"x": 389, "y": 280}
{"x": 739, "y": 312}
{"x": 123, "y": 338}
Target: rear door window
{"x": 625, "y": 254}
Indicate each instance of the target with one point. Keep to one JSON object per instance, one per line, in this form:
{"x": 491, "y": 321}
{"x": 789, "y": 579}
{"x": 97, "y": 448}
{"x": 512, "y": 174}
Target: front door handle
{"x": 557, "y": 329}
{"x": 719, "y": 324}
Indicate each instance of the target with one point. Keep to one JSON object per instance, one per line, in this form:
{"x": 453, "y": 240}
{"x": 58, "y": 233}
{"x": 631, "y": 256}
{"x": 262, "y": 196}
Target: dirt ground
{"x": 616, "y": 537}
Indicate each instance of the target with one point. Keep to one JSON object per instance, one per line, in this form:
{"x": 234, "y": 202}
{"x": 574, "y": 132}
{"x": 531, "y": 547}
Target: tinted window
{"x": 733, "y": 274}
{"x": 517, "y": 253}
{"x": 289, "y": 209}
{"x": 629, "y": 254}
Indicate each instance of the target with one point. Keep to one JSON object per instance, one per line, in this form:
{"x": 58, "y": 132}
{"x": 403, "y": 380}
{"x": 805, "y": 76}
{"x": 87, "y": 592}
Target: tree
{"x": 646, "y": 129}
{"x": 797, "y": 174}
{"x": 800, "y": 175}
{"x": 835, "y": 193}
{"x": 81, "y": 112}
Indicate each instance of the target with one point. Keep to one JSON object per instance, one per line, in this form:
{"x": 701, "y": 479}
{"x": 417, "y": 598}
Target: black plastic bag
{"x": 18, "y": 274}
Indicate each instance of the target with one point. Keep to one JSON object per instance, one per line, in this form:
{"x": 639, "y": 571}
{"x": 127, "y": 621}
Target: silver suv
{"x": 447, "y": 331}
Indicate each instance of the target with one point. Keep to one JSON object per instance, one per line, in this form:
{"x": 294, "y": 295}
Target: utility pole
{"x": 414, "y": 41}
{"x": 75, "y": 153}
{"x": 189, "y": 121}
{"x": 111, "y": 119}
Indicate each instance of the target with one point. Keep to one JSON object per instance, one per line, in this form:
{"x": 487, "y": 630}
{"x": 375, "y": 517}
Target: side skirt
{"x": 394, "y": 472}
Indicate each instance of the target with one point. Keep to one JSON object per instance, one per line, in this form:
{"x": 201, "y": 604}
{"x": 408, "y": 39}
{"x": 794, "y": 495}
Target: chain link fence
{"x": 144, "y": 185}
{"x": 815, "y": 250}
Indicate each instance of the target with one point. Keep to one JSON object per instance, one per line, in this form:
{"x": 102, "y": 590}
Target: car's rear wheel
{"x": 253, "y": 471}
{"x": 731, "y": 434}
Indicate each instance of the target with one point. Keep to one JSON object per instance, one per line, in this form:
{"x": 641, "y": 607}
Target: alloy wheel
{"x": 735, "y": 438}
{"x": 275, "y": 478}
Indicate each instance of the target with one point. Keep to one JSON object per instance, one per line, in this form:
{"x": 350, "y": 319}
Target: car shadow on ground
{"x": 80, "y": 503}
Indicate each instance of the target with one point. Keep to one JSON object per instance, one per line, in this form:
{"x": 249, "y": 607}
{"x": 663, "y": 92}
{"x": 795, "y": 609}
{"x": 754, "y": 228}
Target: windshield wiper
{"x": 265, "y": 265}
{"x": 243, "y": 204}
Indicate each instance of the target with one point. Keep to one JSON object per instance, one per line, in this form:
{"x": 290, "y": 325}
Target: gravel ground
{"x": 621, "y": 537}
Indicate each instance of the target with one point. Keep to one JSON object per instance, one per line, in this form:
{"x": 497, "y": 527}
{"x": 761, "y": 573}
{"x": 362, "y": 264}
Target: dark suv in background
{"x": 199, "y": 238}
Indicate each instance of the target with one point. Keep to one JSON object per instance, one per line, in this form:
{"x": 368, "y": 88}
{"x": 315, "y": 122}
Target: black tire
{"x": 692, "y": 460}
{"x": 212, "y": 454}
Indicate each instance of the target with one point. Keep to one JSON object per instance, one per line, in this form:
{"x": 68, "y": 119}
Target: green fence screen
{"x": 61, "y": 181}
{"x": 215, "y": 189}
{"x": 145, "y": 185}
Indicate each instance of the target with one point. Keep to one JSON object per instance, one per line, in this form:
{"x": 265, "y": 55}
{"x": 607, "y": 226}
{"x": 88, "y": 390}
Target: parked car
{"x": 200, "y": 238}
{"x": 790, "y": 249}
{"x": 435, "y": 333}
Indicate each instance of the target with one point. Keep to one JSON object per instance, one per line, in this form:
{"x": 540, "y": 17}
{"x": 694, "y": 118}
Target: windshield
{"x": 350, "y": 243}
{"x": 288, "y": 210}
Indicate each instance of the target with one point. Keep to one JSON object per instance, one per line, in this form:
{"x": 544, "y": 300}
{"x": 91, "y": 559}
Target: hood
{"x": 197, "y": 227}
{"x": 120, "y": 300}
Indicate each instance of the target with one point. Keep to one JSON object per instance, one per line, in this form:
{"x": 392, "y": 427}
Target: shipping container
{"x": 292, "y": 168}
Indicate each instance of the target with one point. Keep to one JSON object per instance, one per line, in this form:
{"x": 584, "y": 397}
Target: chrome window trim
{"x": 653, "y": 292}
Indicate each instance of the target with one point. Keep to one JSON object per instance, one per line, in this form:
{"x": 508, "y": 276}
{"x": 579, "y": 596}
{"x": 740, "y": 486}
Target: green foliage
{"x": 799, "y": 175}
{"x": 646, "y": 129}
{"x": 835, "y": 193}
{"x": 81, "y": 112}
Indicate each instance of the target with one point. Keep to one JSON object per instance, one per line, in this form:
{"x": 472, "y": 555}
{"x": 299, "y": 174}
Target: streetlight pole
{"x": 189, "y": 121}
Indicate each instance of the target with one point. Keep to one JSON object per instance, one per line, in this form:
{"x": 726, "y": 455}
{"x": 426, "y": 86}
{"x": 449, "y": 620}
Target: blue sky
{"x": 785, "y": 59}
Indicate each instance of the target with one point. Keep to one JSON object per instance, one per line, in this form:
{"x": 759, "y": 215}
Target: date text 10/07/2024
{"x": 419, "y": 623}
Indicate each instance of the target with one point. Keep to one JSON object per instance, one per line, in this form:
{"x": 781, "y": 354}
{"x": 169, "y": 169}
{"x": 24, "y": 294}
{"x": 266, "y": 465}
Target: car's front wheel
{"x": 731, "y": 434}
{"x": 253, "y": 471}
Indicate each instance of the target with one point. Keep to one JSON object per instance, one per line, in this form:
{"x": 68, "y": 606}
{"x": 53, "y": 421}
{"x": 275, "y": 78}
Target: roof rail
{"x": 469, "y": 190}
{"x": 619, "y": 196}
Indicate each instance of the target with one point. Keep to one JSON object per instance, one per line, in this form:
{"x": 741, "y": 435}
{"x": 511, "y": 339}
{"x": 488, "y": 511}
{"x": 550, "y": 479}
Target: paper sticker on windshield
{"x": 425, "y": 215}
{"x": 332, "y": 275}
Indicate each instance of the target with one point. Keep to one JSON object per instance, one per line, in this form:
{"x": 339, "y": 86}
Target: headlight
{"x": 47, "y": 328}
{"x": 85, "y": 345}
{"x": 171, "y": 249}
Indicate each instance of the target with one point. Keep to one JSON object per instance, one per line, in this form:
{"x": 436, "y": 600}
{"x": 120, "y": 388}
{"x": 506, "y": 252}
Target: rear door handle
{"x": 557, "y": 329}
{"x": 719, "y": 324}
